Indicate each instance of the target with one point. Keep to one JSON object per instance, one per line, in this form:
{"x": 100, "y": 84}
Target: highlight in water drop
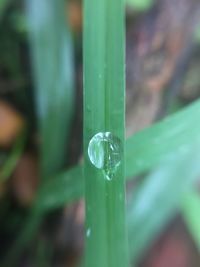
{"x": 105, "y": 151}
{"x": 88, "y": 232}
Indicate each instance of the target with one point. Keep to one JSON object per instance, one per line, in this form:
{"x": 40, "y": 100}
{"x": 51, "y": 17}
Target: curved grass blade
{"x": 159, "y": 197}
{"x": 69, "y": 186}
{"x": 13, "y": 158}
{"x": 144, "y": 151}
{"x": 52, "y": 58}
{"x": 190, "y": 211}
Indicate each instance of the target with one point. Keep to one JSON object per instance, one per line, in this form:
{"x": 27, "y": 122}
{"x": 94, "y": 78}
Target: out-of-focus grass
{"x": 160, "y": 196}
{"x": 13, "y": 158}
{"x": 53, "y": 73}
{"x": 191, "y": 211}
{"x": 53, "y": 68}
{"x": 140, "y": 5}
{"x": 144, "y": 151}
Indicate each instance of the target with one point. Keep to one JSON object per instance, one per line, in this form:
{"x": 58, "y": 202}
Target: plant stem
{"x": 104, "y": 87}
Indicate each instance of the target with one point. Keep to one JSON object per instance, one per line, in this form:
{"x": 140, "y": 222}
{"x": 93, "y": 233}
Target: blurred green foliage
{"x": 166, "y": 154}
{"x": 140, "y": 5}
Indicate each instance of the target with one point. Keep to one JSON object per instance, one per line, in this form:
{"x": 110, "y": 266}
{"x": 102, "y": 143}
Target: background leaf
{"x": 190, "y": 212}
{"x": 159, "y": 197}
{"x": 140, "y": 5}
{"x": 144, "y": 150}
{"x": 52, "y": 57}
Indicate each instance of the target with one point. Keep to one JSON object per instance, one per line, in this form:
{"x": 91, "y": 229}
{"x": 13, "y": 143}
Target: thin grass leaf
{"x": 173, "y": 135}
{"x": 190, "y": 211}
{"x": 159, "y": 197}
{"x": 69, "y": 186}
{"x": 140, "y": 5}
{"x": 30, "y": 229}
{"x": 144, "y": 151}
{"x": 52, "y": 57}
{"x": 3, "y": 5}
{"x": 13, "y": 158}
{"x": 106, "y": 241}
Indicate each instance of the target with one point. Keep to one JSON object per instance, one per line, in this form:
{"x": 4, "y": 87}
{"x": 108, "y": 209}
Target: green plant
{"x": 104, "y": 99}
{"x": 163, "y": 153}
{"x": 190, "y": 211}
{"x": 140, "y": 5}
{"x": 52, "y": 58}
{"x": 53, "y": 72}
{"x": 144, "y": 151}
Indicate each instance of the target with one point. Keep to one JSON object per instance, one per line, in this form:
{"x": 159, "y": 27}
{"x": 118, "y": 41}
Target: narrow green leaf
{"x": 52, "y": 60}
{"x": 30, "y": 229}
{"x": 104, "y": 87}
{"x": 13, "y": 158}
{"x": 172, "y": 135}
{"x": 144, "y": 151}
{"x": 52, "y": 56}
{"x": 190, "y": 212}
{"x": 69, "y": 186}
{"x": 140, "y": 5}
{"x": 3, "y": 6}
{"x": 159, "y": 197}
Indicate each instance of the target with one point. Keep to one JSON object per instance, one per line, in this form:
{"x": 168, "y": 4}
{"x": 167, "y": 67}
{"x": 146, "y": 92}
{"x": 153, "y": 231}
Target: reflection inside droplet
{"x": 105, "y": 152}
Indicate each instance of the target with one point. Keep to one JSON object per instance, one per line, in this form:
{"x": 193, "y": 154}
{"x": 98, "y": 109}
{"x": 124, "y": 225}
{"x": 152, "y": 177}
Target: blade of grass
{"x": 13, "y": 158}
{"x": 190, "y": 211}
{"x": 51, "y": 53}
{"x": 3, "y": 6}
{"x": 69, "y": 185}
{"x": 159, "y": 197}
{"x": 104, "y": 112}
{"x": 144, "y": 151}
{"x": 52, "y": 57}
{"x": 140, "y": 5}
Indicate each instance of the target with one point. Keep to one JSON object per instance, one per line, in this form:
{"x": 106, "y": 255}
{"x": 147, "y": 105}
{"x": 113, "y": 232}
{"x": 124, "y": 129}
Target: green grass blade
{"x": 52, "y": 57}
{"x": 10, "y": 164}
{"x": 144, "y": 151}
{"x": 69, "y": 186}
{"x": 140, "y": 5}
{"x": 190, "y": 212}
{"x": 106, "y": 242}
{"x": 3, "y": 6}
{"x": 52, "y": 60}
{"x": 56, "y": 194}
{"x": 30, "y": 229}
{"x": 172, "y": 135}
{"x": 159, "y": 197}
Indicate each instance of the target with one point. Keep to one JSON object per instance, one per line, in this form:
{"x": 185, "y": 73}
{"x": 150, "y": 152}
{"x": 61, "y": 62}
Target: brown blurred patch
{"x": 159, "y": 46}
{"x": 174, "y": 249}
{"x": 25, "y": 180}
{"x": 74, "y": 13}
{"x": 11, "y": 124}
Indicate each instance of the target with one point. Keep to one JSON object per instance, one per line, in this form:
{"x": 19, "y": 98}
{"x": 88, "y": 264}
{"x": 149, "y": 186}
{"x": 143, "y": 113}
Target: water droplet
{"x": 88, "y": 232}
{"x": 104, "y": 152}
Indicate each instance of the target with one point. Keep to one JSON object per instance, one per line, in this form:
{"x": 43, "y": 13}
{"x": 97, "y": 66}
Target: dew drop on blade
{"x": 105, "y": 151}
